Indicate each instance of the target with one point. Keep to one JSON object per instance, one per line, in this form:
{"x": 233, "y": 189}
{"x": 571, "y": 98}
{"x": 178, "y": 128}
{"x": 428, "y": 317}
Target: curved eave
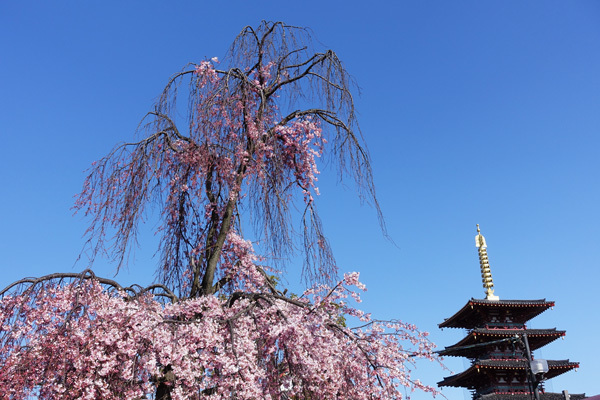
{"x": 537, "y": 339}
{"x": 467, "y": 379}
{"x": 468, "y": 316}
{"x": 472, "y": 377}
{"x": 527, "y": 396}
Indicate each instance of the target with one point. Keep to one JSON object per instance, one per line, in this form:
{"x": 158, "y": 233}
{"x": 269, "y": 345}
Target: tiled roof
{"x": 475, "y": 377}
{"x": 470, "y": 316}
{"x": 527, "y": 396}
{"x": 537, "y": 338}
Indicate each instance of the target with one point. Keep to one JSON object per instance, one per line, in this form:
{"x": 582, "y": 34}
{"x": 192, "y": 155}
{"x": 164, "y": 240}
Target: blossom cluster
{"x": 79, "y": 341}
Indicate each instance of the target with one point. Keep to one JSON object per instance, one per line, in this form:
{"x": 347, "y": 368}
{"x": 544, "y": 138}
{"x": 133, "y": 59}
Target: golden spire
{"x": 486, "y": 273}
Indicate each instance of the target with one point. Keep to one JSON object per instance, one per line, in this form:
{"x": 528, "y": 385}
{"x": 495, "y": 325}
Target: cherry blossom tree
{"x": 216, "y": 325}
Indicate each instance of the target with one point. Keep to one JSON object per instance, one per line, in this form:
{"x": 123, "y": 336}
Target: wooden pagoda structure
{"x": 499, "y": 345}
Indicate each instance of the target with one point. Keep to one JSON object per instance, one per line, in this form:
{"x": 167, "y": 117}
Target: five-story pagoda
{"x": 499, "y": 345}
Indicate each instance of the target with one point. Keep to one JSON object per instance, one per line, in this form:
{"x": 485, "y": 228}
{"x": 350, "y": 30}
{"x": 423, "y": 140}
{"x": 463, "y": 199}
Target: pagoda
{"x": 500, "y": 346}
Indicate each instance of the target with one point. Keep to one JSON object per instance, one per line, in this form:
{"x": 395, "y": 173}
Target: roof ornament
{"x": 486, "y": 273}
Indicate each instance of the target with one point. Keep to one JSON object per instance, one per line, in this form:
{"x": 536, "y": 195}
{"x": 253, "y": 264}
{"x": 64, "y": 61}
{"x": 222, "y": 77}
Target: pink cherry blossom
{"x": 81, "y": 340}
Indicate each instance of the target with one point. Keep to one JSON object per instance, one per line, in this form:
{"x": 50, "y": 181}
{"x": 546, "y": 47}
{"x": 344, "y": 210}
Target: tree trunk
{"x": 165, "y": 384}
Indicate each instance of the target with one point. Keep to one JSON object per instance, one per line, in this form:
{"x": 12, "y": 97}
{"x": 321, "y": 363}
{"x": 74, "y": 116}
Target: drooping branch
{"x": 30, "y": 285}
{"x": 248, "y": 142}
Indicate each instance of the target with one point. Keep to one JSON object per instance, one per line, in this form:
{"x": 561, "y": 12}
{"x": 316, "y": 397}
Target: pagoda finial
{"x": 486, "y": 273}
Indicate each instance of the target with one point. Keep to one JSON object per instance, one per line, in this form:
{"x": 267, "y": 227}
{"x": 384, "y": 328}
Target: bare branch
{"x": 134, "y": 290}
{"x": 243, "y": 148}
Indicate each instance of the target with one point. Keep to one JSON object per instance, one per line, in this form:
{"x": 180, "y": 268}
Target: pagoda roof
{"x": 537, "y": 338}
{"x": 473, "y": 313}
{"x": 472, "y": 377}
{"x": 527, "y": 396}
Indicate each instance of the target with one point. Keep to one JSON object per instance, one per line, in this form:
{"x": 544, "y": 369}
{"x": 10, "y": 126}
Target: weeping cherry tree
{"x": 215, "y": 324}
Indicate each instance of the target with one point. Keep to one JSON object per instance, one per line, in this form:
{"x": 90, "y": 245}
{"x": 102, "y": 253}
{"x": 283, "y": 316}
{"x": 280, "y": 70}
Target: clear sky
{"x": 474, "y": 112}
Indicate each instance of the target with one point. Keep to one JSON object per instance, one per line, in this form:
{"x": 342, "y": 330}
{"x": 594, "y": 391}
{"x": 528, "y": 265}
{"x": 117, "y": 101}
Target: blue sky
{"x": 474, "y": 112}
